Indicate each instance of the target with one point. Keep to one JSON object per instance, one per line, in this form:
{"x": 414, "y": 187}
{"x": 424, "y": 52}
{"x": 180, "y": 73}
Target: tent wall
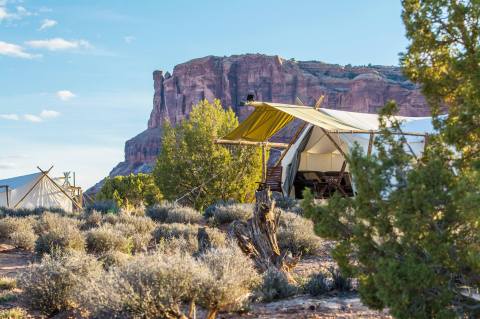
{"x": 39, "y": 191}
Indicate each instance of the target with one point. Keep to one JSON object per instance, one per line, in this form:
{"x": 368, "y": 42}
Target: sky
{"x": 76, "y": 76}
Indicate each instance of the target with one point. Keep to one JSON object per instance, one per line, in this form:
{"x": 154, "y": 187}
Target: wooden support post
{"x": 62, "y": 190}
{"x": 8, "y": 200}
{"x": 370, "y": 143}
{"x": 34, "y": 185}
{"x": 264, "y": 164}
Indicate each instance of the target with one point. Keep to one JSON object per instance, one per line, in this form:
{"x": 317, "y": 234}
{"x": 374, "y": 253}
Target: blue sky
{"x": 76, "y": 76}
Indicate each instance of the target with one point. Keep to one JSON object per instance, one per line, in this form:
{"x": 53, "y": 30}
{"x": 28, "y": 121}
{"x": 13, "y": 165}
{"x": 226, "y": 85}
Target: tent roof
{"x": 19, "y": 181}
{"x": 269, "y": 118}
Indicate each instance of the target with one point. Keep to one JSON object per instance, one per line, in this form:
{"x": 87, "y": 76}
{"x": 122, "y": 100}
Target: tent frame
{"x": 6, "y": 194}
{"x": 45, "y": 175}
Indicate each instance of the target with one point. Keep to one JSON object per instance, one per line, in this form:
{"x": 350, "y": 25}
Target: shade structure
{"x": 32, "y": 191}
{"x": 329, "y": 136}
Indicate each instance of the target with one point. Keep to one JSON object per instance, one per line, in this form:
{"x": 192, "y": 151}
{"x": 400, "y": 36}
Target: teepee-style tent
{"x": 39, "y": 190}
{"x": 315, "y": 158}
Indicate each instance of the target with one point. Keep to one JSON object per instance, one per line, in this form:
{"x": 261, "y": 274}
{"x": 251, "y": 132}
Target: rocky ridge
{"x": 269, "y": 78}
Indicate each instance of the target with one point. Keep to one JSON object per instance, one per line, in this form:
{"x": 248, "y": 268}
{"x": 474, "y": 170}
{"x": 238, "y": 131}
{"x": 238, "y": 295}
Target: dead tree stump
{"x": 258, "y": 236}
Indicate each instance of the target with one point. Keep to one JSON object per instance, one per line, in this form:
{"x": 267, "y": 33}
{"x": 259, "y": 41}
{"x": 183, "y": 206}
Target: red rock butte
{"x": 269, "y": 78}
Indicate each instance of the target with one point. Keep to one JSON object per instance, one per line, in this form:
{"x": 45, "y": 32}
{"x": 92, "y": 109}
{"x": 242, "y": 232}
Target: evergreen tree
{"x": 412, "y": 234}
{"x": 192, "y": 164}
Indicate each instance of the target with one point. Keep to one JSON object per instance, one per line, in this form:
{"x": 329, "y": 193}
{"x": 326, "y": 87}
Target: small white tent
{"x": 35, "y": 190}
{"x": 316, "y": 157}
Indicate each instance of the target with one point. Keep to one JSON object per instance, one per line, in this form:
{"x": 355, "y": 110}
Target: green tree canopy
{"x": 192, "y": 164}
{"x": 130, "y": 191}
{"x": 412, "y": 233}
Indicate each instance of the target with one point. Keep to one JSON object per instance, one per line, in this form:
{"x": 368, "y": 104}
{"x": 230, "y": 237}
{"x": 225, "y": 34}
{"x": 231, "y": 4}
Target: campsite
{"x": 261, "y": 185}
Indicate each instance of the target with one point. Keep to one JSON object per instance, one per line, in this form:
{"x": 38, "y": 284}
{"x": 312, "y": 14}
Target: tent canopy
{"x": 32, "y": 191}
{"x": 320, "y": 149}
{"x": 269, "y": 118}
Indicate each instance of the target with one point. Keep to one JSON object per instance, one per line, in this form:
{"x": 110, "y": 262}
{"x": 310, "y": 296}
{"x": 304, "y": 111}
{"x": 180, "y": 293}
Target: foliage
{"x": 229, "y": 281}
{"x": 13, "y": 313}
{"x": 276, "y": 286}
{"x": 106, "y": 206}
{"x": 106, "y": 238}
{"x": 59, "y": 239}
{"x": 52, "y": 285}
{"x": 225, "y": 214}
{"x": 18, "y": 232}
{"x": 130, "y": 191}
{"x": 192, "y": 164}
{"x": 412, "y": 234}
{"x": 7, "y": 283}
{"x": 296, "y": 234}
{"x": 339, "y": 281}
{"x": 317, "y": 285}
{"x": 168, "y": 213}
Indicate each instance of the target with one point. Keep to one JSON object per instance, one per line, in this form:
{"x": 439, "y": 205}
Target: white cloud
{"x": 32, "y": 118}
{"x": 16, "y": 51}
{"x": 129, "y": 39}
{"x": 12, "y": 117}
{"x": 3, "y": 13}
{"x": 65, "y": 95}
{"x": 57, "y": 44}
{"x": 48, "y": 23}
{"x": 49, "y": 114}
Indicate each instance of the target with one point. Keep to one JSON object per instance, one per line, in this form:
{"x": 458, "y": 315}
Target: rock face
{"x": 269, "y": 78}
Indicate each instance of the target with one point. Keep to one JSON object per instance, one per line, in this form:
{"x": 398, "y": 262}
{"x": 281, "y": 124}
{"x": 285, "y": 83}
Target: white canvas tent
{"x": 316, "y": 156}
{"x": 35, "y": 190}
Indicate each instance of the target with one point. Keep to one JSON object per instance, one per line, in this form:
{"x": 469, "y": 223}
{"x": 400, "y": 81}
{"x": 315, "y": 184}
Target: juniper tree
{"x": 412, "y": 233}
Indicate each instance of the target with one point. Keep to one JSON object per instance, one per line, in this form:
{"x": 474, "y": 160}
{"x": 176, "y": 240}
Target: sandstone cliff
{"x": 269, "y": 78}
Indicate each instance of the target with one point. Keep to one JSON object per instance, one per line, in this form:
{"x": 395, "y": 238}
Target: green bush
{"x": 52, "y": 221}
{"x": 52, "y": 285}
{"x": 296, "y": 234}
{"x": 276, "y": 286}
{"x": 103, "y": 206}
{"x": 106, "y": 238}
{"x": 339, "y": 281}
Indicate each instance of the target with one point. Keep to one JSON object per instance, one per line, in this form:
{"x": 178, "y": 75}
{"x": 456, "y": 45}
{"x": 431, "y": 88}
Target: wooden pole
{"x": 370, "y": 144}
{"x": 62, "y": 190}
{"x": 6, "y": 193}
{"x": 264, "y": 164}
{"x": 334, "y": 142}
{"x": 242, "y": 142}
{"x": 30, "y": 190}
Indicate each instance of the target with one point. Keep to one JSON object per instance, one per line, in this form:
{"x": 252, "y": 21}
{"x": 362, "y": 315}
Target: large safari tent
{"x": 40, "y": 190}
{"x": 315, "y": 157}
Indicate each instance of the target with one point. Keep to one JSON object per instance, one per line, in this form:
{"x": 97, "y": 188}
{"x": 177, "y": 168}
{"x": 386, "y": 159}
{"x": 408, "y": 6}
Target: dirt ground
{"x": 345, "y": 306}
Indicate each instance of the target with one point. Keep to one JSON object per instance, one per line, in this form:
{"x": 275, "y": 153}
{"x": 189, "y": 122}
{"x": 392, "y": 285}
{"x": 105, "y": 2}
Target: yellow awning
{"x": 269, "y": 118}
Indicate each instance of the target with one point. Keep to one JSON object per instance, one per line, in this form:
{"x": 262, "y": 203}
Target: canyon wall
{"x": 268, "y": 78}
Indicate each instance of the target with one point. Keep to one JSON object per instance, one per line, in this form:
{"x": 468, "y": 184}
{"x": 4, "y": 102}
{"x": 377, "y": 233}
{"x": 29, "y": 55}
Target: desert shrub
{"x": 317, "y": 285}
{"x": 18, "y": 232}
{"x": 296, "y": 234}
{"x": 107, "y": 238}
{"x": 169, "y": 213}
{"x": 339, "y": 281}
{"x": 114, "y": 258}
{"x": 225, "y": 214}
{"x": 7, "y": 283}
{"x": 140, "y": 224}
{"x": 13, "y": 313}
{"x": 287, "y": 203}
{"x": 190, "y": 234}
{"x": 110, "y": 218}
{"x": 230, "y": 279}
{"x": 52, "y": 221}
{"x": 92, "y": 219}
{"x": 275, "y": 286}
{"x": 149, "y": 286}
{"x": 51, "y": 286}
{"x": 24, "y": 212}
{"x": 60, "y": 239}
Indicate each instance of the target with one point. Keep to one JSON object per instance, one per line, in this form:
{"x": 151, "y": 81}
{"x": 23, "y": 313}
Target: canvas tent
{"x": 38, "y": 190}
{"x": 316, "y": 156}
